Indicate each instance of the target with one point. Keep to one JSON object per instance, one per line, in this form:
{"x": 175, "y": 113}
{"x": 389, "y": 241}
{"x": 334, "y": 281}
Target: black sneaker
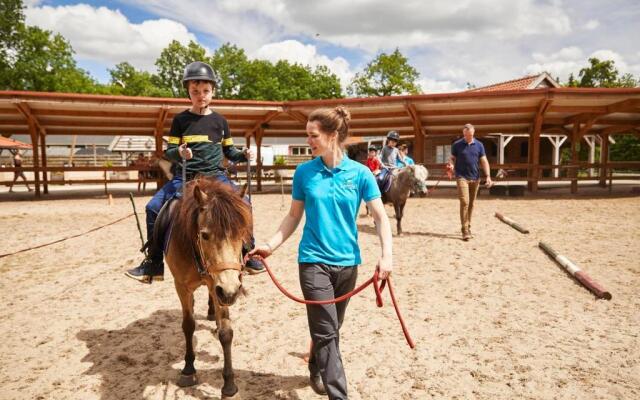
{"x": 148, "y": 271}
{"x": 254, "y": 266}
{"x": 315, "y": 381}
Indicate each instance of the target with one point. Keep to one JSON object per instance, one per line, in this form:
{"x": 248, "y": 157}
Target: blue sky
{"x": 449, "y": 42}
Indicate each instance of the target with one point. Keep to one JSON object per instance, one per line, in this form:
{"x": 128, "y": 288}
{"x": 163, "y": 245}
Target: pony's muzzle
{"x": 228, "y": 287}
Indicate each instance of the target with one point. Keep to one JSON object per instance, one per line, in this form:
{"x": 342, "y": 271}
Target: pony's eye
{"x": 204, "y": 235}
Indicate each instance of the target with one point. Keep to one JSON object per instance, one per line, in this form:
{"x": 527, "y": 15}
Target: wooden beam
{"x": 418, "y": 144}
{"x": 604, "y": 160}
{"x": 296, "y": 115}
{"x": 43, "y": 152}
{"x": 534, "y": 144}
{"x": 259, "y": 125}
{"x": 573, "y": 172}
{"x": 258, "y": 139}
{"x": 25, "y": 110}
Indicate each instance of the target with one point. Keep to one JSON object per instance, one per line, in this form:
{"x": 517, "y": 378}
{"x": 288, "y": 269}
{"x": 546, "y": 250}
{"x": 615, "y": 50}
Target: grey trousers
{"x": 322, "y": 282}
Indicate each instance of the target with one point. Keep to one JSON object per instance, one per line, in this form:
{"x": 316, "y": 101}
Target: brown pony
{"x": 210, "y": 222}
{"x": 407, "y": 179}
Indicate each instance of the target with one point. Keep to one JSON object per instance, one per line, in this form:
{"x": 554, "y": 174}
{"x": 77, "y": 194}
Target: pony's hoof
{"x": 234, "y": 397}
{"x": 187, "y": 380}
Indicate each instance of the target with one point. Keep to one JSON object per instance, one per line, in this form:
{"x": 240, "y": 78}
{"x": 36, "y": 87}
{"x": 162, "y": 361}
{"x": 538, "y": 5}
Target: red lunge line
{"x": 378, "y": 288}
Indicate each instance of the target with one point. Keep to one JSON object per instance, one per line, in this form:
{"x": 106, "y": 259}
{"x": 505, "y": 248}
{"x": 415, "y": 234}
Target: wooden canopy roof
{"x": 510, "y": 111}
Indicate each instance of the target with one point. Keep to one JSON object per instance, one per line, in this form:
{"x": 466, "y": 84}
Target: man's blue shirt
{"x": 467, "y": 158}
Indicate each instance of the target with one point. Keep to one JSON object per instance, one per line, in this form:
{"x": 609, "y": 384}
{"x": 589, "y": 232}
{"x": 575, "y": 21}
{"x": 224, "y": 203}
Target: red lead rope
{"x": 378, "y": 288}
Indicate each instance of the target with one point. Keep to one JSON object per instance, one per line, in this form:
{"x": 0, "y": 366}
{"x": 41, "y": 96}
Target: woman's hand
{"x": 263, "y": 251}
{"x": 384, "y": 267}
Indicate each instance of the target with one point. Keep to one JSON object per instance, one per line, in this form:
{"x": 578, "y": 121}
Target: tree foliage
{"x": 604, "y": 74}
{"x": 128, "y": 81}
{"x": 601, "y": 74}
{"x": 386, "y": 75}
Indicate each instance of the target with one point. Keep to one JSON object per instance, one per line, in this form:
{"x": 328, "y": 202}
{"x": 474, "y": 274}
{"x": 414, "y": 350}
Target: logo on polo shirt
{"x": 348, "y": 184}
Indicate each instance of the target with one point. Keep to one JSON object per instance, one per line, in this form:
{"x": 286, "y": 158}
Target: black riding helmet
{"x": 198, "y": 71}
{"x": 393, "y": 135}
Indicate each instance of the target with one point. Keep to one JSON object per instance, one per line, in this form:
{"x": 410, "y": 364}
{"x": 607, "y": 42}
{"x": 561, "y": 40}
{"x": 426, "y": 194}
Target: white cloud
{"x": 370, "y": 25}
{"x": 592, "y": 24}
{"x": 434, "y": 86}
{"x": 573, "y": 59}
{"x": 296, "y": 52}
{"x": 105, "y": 35}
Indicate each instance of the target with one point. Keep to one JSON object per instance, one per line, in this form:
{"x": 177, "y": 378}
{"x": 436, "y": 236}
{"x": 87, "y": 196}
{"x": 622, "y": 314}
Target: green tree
{"x": 35, "y": 59}
{"x": 128, "y": 81}
{"x": 626, "y": 148}
{"x": 11, "y": 19}
{"x": 171, "y": 65}
{"x": 386, "y": 75}
{"x": 602, "y": 74}
{"x": 45, "y": 62}
{"x": 230, "y": 63}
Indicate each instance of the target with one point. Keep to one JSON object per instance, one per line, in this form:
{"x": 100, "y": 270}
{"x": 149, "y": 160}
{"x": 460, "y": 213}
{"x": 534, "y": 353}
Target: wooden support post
{"x": 36, "y": 159}
{"x": 557, "y": 142}
{"x": 534, "y": 145}
{"x": 591, "y": 141}
{"x": 575, "y": 140}
{"x": 157, "y": 134}
{"x": 604, "y": 159}
{"x": 248, "y": 144}
{"x": 258, "y": 138}
{"x": 43, "y": 152}
{"x": 418, "y": 133}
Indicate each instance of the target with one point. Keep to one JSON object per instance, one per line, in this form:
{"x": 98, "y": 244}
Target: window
{"x": 443, "y": 152}
{"x": 300, "y": 150}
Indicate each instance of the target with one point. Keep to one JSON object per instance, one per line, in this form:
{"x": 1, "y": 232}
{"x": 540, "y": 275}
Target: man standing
{"x": 466, "y": 154}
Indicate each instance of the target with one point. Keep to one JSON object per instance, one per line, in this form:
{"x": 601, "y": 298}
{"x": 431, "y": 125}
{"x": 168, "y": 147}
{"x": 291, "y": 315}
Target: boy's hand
{"x": 185, "y": 152}
{"x": 248, "y": 154}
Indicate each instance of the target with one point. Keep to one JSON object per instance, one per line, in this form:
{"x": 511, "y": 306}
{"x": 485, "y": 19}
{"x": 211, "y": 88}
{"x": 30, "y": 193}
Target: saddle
{"x": 384, "y": 180}
{"x": 162, "y": 232}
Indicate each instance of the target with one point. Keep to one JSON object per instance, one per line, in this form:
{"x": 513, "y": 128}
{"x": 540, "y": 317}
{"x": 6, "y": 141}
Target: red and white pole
{"x": 576, "y": 272}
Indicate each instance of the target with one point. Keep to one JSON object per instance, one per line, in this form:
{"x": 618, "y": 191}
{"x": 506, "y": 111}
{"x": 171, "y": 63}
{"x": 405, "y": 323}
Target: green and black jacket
{"x": 209, "y": 139}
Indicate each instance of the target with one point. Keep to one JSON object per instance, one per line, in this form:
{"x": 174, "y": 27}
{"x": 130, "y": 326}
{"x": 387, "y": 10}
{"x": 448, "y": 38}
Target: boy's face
{"x": 391, "y": 143}
{"x": 372, "y": 153}
{"x": 200, "y": 93}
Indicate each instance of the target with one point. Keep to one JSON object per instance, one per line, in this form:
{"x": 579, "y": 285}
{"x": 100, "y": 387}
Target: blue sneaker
{"x": 254, "y": 266}
{"x": 149, "y": 270}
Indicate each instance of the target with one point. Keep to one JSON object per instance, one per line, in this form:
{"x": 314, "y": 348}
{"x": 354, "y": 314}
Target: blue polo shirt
{"x": 467, "y": 158}
{"x": 332, "y": 199}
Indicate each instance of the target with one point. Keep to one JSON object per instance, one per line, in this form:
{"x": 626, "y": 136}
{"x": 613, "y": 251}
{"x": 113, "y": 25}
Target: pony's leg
{"x": 211, "y": 312}
{"x": 188, "y": 373}
{"x": 225, "y": 334}
{"x": 399, "y": 208}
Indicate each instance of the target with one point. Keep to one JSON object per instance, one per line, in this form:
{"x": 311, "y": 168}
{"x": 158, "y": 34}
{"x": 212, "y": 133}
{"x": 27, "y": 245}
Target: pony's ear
{"x": 243, "y": 192}
{"x": 200, "y": 196}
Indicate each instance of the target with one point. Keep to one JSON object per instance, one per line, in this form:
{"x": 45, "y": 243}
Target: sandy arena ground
{"x": 493, "y": 318}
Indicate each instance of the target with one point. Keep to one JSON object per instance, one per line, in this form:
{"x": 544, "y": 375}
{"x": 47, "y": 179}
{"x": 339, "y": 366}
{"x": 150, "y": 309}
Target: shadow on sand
{"x": 149, "y": 352}
{"x": 371, "y": 230}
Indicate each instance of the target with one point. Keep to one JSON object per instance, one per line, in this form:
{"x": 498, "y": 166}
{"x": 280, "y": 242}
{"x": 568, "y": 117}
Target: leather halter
{"x": 217, "y": 267}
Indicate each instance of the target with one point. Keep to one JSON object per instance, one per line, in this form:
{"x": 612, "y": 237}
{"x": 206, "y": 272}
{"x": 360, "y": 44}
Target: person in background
{"x": 466, "y": 154}
{"x": 19, "y": 173}
{"x": 373, "y": 162}
{"x": 390, "y": 154}
{"x": 404, "y": 153}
